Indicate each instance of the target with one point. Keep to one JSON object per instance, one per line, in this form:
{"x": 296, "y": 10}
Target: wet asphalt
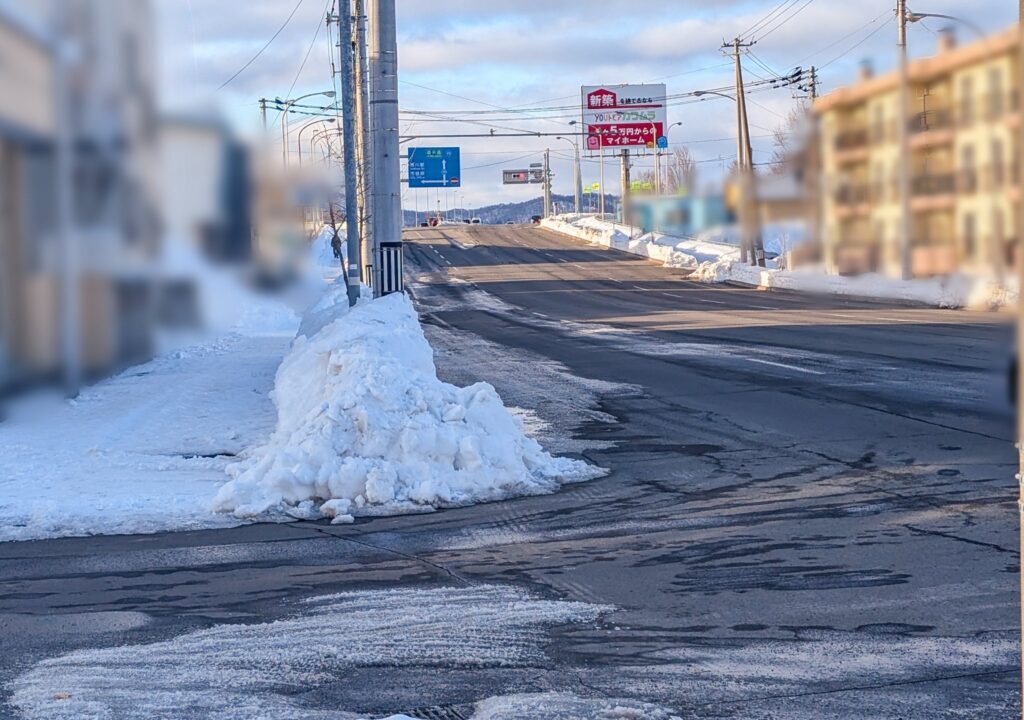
{"x": 809, "y": 512}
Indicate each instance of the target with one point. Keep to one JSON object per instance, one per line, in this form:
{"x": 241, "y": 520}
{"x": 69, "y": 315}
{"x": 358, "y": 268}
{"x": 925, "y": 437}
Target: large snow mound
{"x": 365, "y": 427}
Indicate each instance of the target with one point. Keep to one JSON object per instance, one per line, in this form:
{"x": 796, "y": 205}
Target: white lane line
{"x": 783, "y": 365}
{"x": 713, "y": 302}
{"x": 614, "y": 280}
{"x": 579, "y": 266}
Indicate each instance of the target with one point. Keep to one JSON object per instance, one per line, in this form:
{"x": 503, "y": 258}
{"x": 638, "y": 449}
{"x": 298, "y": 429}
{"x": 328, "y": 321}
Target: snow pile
{"x": 365, "y": 427}
{"x": 950, "y": 291}
{"x": 714, "y": 258}
{"x": 668, "y": 250}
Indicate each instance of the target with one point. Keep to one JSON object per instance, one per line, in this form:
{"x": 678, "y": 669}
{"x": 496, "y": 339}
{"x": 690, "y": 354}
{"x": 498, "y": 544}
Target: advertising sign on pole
{"x": 434, "y": 167}
{"x": 618, "y": 116}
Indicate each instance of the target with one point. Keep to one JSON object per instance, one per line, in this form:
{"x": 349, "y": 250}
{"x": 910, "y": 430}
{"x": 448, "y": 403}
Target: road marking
{"x": 783, "y": 365}
{"x": 713, "y": 302}
{"x": 579, "y": 266}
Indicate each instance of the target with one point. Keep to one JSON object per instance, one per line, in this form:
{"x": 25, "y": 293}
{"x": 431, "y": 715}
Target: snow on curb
{"x": 713, "y": 262}
{"x": 365, "y": 427}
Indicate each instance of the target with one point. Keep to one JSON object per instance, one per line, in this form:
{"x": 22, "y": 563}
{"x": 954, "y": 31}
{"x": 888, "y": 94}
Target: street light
{"x": 600, "y": 157}
{"x": 284, "y": 118}
{"x": 658, "y": 153}
{"x": 577, "y": 181}
{"x": 914, "y": 17}
{"x": 303, "y": 129}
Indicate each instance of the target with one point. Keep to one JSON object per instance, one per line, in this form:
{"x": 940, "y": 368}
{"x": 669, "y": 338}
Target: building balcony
{"x": 940, "y": 118}
{"x": 854, "y": 138}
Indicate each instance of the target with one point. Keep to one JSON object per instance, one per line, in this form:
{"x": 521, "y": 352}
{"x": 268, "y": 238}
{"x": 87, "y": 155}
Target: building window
{"x": 967, "y": 100}
{"x": 969, "y": 235}
{"x": 995, "y": 93}
{"x": 998, "y": 170}
{"x": 968, "y": 176}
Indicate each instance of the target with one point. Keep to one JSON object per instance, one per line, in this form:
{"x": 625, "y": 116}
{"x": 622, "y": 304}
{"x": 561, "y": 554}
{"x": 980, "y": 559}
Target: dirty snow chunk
{"x": 563, "y": 706}
{"x": 240, "y": 672}
{"x": 363, "y": 418}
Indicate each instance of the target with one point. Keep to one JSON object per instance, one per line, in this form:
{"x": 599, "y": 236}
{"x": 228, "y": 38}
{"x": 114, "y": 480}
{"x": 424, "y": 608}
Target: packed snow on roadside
{"x": 366, "y": 428}
{"x": 143, "y": 451}
{"x": 713, "y": 257}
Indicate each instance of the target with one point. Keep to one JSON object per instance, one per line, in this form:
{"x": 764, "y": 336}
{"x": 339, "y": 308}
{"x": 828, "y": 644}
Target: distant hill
{"x": 519, "y": 212}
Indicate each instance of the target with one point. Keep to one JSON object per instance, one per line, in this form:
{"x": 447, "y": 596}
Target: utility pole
{"x": 1020, "y": 334}
{"x": 751, "y": 246}
{"x": 601, "y": 161}
{"x": 64, "y": 157}
{"x": 903, "y": 138}
{"x": 263, "y": 113}
{"x": 348, "y": 96}
{"x": 577, "y": 180}
{"x": 362, "y": 120}
{"x": 385, "y": 175}
{"x": 657, "y": 171}
{"x": 624, "y": 180}
{"x": 547, "y": 183}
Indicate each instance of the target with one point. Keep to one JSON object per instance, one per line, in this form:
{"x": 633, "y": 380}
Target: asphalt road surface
{"x": 809, "y": 512}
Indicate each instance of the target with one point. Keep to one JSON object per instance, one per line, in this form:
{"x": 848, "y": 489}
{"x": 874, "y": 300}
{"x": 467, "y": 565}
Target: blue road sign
{"x": 434, "y": 167}
{"x": 662, "y": 142}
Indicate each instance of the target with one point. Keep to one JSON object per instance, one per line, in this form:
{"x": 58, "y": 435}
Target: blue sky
{"x": 537, "y": 53}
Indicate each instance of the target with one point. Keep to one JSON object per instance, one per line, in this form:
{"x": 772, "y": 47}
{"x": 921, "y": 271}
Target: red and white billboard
{"x": 617, "y": 116}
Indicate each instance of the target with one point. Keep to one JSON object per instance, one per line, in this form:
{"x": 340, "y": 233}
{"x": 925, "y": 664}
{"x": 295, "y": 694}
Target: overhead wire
{"x": 262, "y": 49}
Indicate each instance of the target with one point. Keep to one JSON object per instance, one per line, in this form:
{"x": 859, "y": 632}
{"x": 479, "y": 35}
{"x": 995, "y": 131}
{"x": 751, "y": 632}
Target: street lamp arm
{"x": 916, "y": 17}
{"x": 700, "y": 93}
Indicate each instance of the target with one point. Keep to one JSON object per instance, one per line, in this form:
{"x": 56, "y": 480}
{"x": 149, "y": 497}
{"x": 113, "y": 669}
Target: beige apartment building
{"x": 965, "y": 180}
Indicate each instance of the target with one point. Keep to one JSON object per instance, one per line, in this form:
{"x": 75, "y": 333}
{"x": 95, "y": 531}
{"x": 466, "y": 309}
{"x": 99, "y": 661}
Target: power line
{"x": 856, "y": 45}
{"x": 271, "y": 40}
{"x": 766, "y": 32}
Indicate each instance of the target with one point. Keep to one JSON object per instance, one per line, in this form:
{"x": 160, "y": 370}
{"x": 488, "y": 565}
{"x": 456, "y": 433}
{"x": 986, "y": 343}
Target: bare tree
{"x": 787, "y": 147}
{"x": 681, "y": 172}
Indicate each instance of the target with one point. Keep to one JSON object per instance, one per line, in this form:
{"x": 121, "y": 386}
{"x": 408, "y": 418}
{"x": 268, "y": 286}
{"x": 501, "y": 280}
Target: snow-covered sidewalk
{"x": 142, "y": 452}
{"x": 716, "y": 262}
{"x": 353, "y": 421}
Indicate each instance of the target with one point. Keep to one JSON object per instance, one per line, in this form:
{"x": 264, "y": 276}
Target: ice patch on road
{"x": 365, "y": 426}
{"x": 231, "y": 672}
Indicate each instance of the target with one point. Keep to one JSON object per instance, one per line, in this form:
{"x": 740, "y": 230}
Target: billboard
{"x": 434, "y": 167}
{"x": 618, "y": 116}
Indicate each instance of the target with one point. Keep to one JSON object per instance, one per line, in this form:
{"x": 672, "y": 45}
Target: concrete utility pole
{"x": 657, "y": 171}
{"x": 547, "y": 183}
{"x": 624, "y": 180}
{"x": 348, "y": 98}
{"x": 1020, "y": 332}
{"x": 903, "y": 139}
{"x": 751, "y": 246}
{"x": 64, "y": 156}
{"x": 386, "y": 187}
{"x": 363, "y": 134}
{"x": 263, "y": 113}
{"x": 601, "y": 162}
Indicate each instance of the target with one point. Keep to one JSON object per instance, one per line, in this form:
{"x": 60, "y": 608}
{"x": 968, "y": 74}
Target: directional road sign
{"x": 434, "y": 167}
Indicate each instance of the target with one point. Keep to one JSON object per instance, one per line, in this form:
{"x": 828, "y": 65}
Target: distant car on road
{"x": 535, "y": 219}
{"x": 424, "y": 224}
{"x": 509, "y": 222}
{"x": 476, "y": 221}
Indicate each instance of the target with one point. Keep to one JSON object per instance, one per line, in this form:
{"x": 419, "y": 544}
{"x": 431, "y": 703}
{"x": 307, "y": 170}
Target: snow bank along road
{"x": 810, "y": 513}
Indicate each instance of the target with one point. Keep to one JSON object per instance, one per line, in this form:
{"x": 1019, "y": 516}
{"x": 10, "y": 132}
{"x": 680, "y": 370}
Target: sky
{"x": 457, "y": 55}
